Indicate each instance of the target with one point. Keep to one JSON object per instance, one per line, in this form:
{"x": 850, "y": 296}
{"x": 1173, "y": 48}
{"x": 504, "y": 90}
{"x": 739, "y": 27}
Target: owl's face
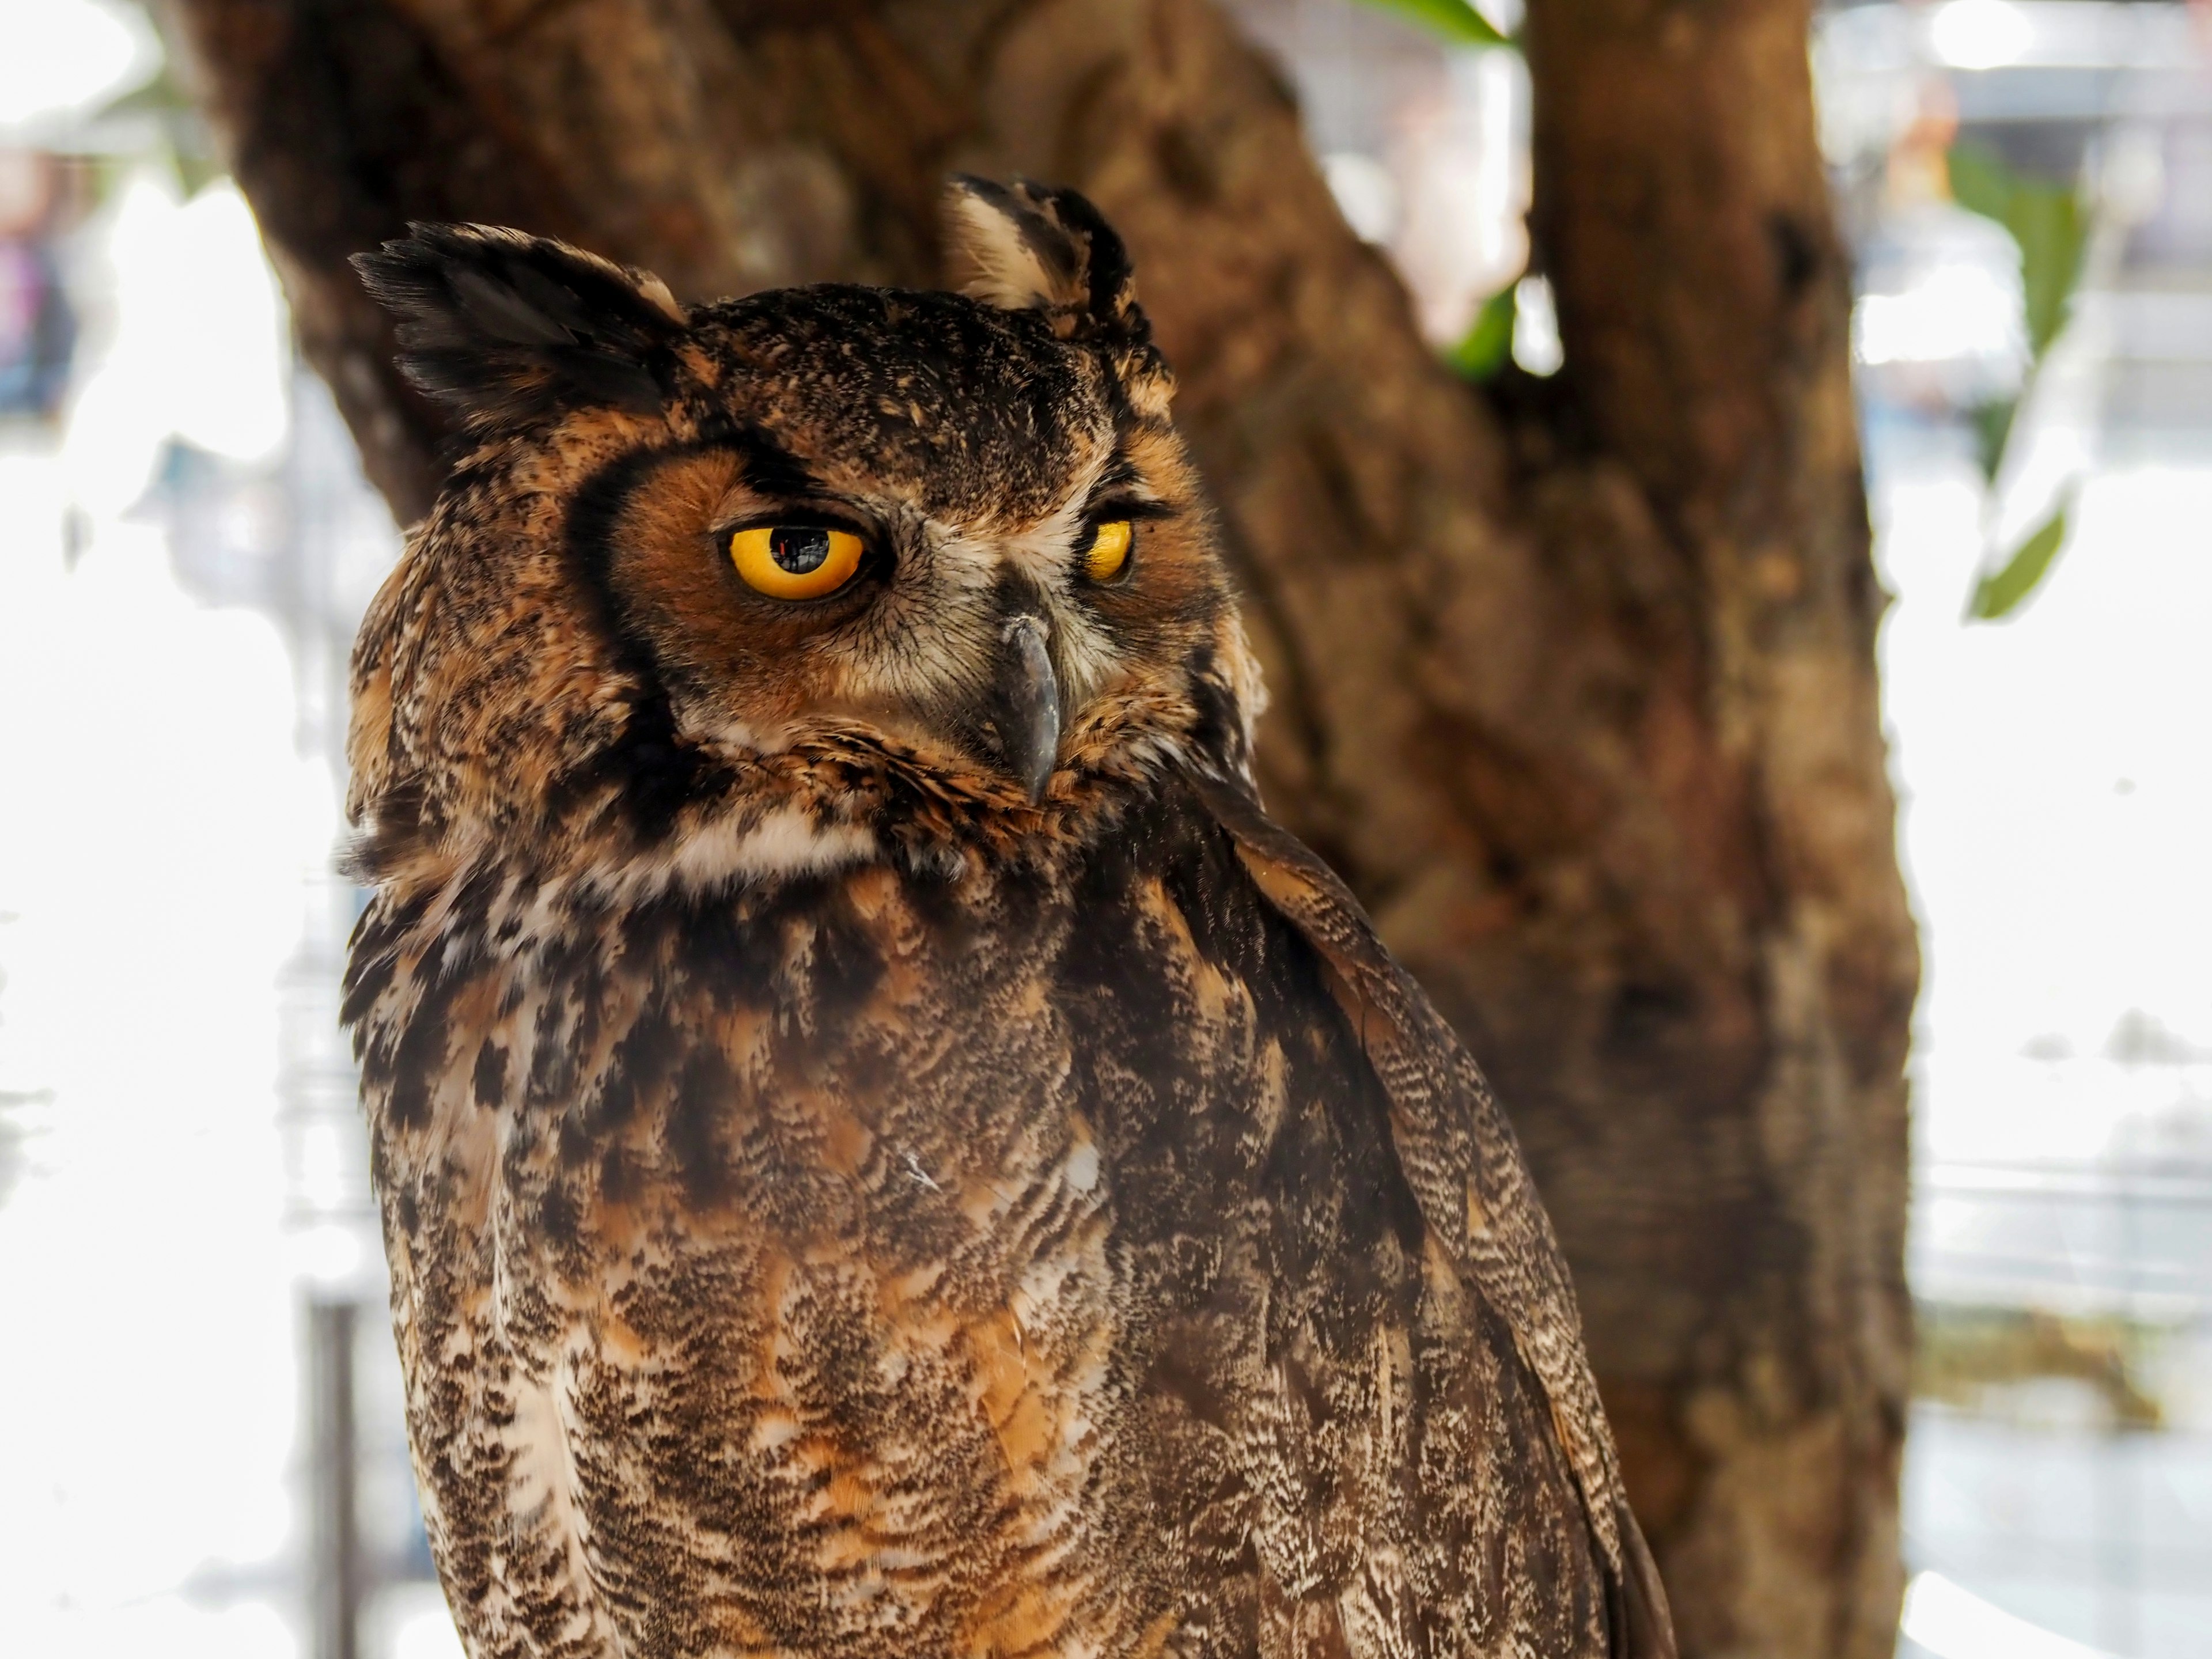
{"x": 692, "y": 554}
{"x": 916, "y": 513}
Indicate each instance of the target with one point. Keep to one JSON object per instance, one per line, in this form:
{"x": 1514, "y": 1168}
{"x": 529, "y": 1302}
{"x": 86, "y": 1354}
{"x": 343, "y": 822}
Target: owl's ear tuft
{"x": 1027, "y": 246}
{"x": 508, "y": 328}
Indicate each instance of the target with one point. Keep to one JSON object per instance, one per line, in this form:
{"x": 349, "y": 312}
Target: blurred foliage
{"x": 1996, "y": 592}
{"x": 2050, "y": 225}
{"x": 1992, "y": 424}
{"x": 2048, "y": 220}
{"x": 1963, "y": 1355}
{"x": 182, "y": 136}
{"x": 1455, "y": 20}
{"x": 1487, "y": 345}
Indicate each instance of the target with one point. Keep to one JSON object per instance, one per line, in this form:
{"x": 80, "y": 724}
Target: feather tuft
{"x": 509, "y": 328}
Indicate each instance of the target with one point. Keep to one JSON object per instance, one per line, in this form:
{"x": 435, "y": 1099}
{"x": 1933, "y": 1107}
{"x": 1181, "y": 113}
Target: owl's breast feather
{"x": 873, "y": 1263}
{"x": 788, "y": 1212}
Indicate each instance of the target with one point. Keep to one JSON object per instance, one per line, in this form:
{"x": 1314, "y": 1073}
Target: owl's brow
{"x": 769, "y": 468}
{"x": 1118, "y": 479}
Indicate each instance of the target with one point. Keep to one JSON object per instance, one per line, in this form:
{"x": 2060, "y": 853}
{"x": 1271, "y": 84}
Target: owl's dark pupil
{"x": 799, "y": 551}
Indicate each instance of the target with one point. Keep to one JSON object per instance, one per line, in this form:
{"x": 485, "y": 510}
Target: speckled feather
{"x": 837, "y": 1203}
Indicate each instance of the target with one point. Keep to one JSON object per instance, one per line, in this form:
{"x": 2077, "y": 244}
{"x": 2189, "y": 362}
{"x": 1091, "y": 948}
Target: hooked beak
{"x": 1024, "y": 708}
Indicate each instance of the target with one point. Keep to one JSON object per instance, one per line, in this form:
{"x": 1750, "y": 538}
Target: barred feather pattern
{"x": 875, "y": 1263}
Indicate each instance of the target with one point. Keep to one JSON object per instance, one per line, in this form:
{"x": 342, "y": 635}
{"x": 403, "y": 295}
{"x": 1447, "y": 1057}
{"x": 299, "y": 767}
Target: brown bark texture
{"x": 1574, "y": 680}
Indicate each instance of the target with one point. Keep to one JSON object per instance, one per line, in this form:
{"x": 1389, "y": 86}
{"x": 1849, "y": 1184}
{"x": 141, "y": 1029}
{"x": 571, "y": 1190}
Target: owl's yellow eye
{"x": 795, "y": 561}
{"x": 1108, "y": 550}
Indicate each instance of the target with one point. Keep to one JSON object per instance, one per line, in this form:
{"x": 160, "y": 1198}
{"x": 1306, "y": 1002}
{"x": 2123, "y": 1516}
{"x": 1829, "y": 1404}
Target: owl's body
{"x": 885, "y": 1150}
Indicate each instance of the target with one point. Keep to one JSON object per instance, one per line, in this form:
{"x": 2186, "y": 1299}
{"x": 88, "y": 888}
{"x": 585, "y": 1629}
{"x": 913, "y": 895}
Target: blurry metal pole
{"x": 336, "y": 1579}
{"x": 327, "y": 1153}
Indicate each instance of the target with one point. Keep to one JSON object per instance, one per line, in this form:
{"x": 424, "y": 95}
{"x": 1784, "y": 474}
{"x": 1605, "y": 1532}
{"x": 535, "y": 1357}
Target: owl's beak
{"x": 1024, "y": 711}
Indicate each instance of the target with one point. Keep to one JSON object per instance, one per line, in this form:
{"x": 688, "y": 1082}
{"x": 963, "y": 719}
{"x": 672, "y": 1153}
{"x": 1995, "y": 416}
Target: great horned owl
{"x": 885, "y": 1150}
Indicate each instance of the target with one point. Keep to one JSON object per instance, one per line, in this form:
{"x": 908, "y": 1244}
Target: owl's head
{"x": 773, "y": 582}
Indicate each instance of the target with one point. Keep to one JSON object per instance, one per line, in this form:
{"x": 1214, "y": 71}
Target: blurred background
{"x": 203, "y": 1452}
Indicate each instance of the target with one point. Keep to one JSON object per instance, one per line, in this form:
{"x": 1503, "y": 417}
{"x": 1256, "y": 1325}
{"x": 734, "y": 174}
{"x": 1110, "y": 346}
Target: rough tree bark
{"x": 1574, "y": 682}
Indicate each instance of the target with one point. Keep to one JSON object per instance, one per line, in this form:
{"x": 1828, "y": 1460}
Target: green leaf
{"x": 2051, "y": 228}
{"x": 2048, "y": 223}
{"x": 1456, "y": 20}
{"x": 1487, "y": 346}
{"x": 1980, "y": 181}
{"x": 1992, "y": 423}
{"x": 1997, "y": 595}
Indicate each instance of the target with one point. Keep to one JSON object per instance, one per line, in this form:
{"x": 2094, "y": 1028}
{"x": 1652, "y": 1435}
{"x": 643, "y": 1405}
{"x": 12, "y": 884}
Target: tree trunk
{"x": 1574, "y": 682}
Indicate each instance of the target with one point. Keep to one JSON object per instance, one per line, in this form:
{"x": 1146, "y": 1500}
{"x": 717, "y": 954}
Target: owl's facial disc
{"x": 917, "y": 523}
{"x": 782, "y": 597}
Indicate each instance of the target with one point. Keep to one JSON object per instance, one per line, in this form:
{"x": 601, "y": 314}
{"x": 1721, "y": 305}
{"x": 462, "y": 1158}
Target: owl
{"x": 885, "y": 1150}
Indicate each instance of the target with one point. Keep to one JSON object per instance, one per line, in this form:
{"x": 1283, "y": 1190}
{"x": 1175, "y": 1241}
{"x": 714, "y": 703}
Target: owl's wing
{"x": 1464, "y": 1166}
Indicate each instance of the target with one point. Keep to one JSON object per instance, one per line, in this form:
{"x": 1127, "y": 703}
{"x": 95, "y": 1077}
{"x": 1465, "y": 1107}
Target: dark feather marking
{"x": 1218, "y": 735}
{"x": 558, "y": 1217}
{"x": 372, "y": 952}
{"x": 637, "y": 1069}
{"x": 472, "y": 901}
{"x": 419, "y": 1060}
{"x": 845, "y": 967}
{"x": 618, "y": 1177}
{"x": 655, "y": 771}
{"x": 731, "y": 949}
{"x": 524, "y": 895}
{"x": 368, "y": 975}
{"x": 489, "y": 1081}
{"x": 705, "y": 1097}
{"x": 554, "y": 1046}
{"x": 373, "y": 1048}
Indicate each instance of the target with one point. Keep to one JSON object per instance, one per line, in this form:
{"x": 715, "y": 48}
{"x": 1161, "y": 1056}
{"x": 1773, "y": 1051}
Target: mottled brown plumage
{"x": 884, "y": 1149}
